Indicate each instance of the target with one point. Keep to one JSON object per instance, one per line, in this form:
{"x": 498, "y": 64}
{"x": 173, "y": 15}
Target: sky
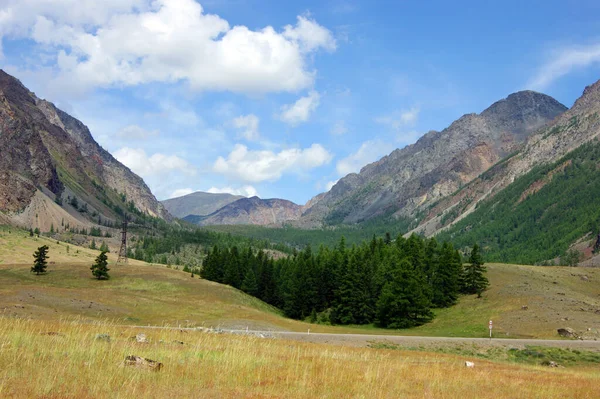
{"x": 281, "y": 99}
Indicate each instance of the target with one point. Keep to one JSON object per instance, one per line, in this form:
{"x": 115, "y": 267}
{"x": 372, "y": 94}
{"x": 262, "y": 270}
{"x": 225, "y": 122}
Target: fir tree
{"x": 474, "y": 280}
{"x": 40, "y": 260}
{"x": 104, "y": 247}
{"x": 445, "y": 280}
{"x": 100, "y": 267}
{"x": 250, "y": 285}
{"x": 93, "y": 244}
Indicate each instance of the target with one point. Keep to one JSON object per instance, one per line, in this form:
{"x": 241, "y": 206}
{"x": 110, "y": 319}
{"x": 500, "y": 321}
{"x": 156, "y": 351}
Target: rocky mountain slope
{"x": 256, "y": 211}
{"x": 52, "y": 172}
{"x": 411, "y": 179}
{"x": 555, "y": 171}
{"x": 198, "y": 203}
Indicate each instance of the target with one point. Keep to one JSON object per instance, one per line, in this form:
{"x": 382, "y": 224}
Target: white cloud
{"x": 330, "y": 184}
{"x": 369, "y": 151}
{"x": 181, "y": 192}
{"x": 339, "y": 128}
{"x": 257, "y": 166}
{"x": 157, "y": 164}
{"x": 400, "y": 119}
{"x": 299, "y": 112}
{"x": 136, "y": 132}
{"x": 246, "y": 191}
{"x": 248, "y": 124}
{"x": 564, "y": 61}
{"x": 131, "y": 42}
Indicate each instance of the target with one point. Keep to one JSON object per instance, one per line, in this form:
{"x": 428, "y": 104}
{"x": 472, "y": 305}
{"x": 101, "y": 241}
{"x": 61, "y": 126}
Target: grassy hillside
{"x": 540, "y": 214}
{"x": 141, "y": 294}
{"x": 56, "y": 359}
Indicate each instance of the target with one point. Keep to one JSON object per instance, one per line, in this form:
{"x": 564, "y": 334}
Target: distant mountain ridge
{"x": 255, "y": 211}
{"x": 52, "y": 171}
{"x": 198, "y": 203}
{"x": 409, "y": 180}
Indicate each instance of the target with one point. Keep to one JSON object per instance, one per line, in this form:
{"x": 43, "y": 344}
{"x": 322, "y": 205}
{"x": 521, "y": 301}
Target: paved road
{"x": 362, "y": 340}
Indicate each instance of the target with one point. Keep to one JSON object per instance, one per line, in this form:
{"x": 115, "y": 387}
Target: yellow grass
{"x": 76, "y": 365}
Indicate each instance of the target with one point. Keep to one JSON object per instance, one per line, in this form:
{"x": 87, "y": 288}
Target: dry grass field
{"x": 64, "y": 359}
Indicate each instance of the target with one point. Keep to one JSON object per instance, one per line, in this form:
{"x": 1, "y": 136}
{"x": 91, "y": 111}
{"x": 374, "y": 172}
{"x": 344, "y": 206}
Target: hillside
{"x": 534, "y": 204}
{"x": 56, "y": 174}
{"x": 439, "y": 163}
{"x": 198, "y": 204}
{"x": 252, "y": 211}
{"x": 141, "y": 294}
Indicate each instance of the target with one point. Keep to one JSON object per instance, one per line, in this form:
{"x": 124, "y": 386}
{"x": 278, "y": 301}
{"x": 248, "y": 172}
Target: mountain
{"x": 198, "y": 203}
{"x": 256, "y": 211}
{"x": 409, "y": 180}
{"x": 535, "y": 204}
{"x": 53, "y": 173}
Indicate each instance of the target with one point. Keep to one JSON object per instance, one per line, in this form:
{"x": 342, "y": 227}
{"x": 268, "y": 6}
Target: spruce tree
{"x": 93, "y": 244}
{"x": 250, "y": 285}
{"x": 104, "y": 247}
{"x": 100, "y": 267}
{"x": 445, "y": 280}
{"x": 40, "y": 260}
{"x": 474, "y": 280}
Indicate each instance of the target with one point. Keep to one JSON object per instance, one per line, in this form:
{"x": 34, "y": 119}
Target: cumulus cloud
{"x": 369, "y": 151}
{"x": 257, "y": 166}
{"x": 400, "y": 119}
{"x": 300, "y": 111}
{"x": 132, "y": 42}
{"x": 158, "y": 164}
{"x": 563, "y": 62}
{"x": 181, "y": 192}
{"x": 246, "y": 191}
{"x": 136, "y": 132}
{"x": 248, "y": 126}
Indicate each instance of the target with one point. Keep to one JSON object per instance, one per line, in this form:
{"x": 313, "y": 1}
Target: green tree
{"x": 104, "y": 247}
{"x": 40, "y": 260}
{"x": 474, "y": 279}
{"x": 100, "y": 267}
{"x": 93, "y": 244}
{"x": 404, "y": 301}
{"x": 250, "y": 285}
{"x": 445, "y": 279}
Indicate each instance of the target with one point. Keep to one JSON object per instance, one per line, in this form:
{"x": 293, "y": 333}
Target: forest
{"x": 521, "y": 225}
{"x": 388, "y": 283}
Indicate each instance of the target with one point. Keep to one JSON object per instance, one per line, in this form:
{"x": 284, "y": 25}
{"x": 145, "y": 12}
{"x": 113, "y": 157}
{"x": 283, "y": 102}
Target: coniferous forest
{"x": 391, "y": 284}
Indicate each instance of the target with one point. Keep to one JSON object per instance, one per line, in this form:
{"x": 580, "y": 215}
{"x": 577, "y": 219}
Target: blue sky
{"x": 281, "y": 99}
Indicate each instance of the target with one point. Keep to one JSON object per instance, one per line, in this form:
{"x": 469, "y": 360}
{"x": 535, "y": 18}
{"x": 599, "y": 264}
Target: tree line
{"x": 391, "y": 284}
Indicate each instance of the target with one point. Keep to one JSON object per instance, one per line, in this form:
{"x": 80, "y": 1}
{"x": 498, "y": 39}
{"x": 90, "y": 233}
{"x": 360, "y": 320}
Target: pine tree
{"x": 403, "y": 301}
{"x": 100, "y": 267}
{"x": 474, "y": 280}
{"x": 40, "y": 260}
{"x": 104, "y": 247}
{"x": 93, "y": 244}
{"x": 250, "y": 285}
{"x": 445, "y": 280}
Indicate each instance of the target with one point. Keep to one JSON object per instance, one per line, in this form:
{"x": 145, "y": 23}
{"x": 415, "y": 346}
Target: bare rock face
{"x": 47, "y": 153}
{"x": 437, "y": 165}
{"x": 255, "y": 211}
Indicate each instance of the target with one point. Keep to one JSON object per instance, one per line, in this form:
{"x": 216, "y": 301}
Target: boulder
{"x": 141, "y": 338}
{"x": 469, "y": 364}
{"x": 103, "y": 337}
{"x": 567, "y": 332}
{"x": 143, "y": 363}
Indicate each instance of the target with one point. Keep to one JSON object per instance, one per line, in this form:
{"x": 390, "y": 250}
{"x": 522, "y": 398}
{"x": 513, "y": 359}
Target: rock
{"x": 584, "y": 278}
{"x": 103, "y": 337}
{"x": 550, "y": 363}
{"x": 143, "y": 363}
{"x": 567, "y": 332}
{"x": 141, "y": 338}
{"x": 524, "y": 307}
{"x": 469, "y": 364}
{"x": 179, "y": 342}
{"x": 53, "y": 333}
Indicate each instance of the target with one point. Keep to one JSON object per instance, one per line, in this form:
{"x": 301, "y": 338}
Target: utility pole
{"x": 123, "y": 251}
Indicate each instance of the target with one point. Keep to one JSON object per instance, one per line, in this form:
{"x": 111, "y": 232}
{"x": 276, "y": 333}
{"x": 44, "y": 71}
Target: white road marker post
{"x": 308, "y": 331}
{"x": 491, "y": 329}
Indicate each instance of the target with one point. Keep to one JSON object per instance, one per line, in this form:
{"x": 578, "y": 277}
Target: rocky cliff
{"x": 49, "y": 159}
